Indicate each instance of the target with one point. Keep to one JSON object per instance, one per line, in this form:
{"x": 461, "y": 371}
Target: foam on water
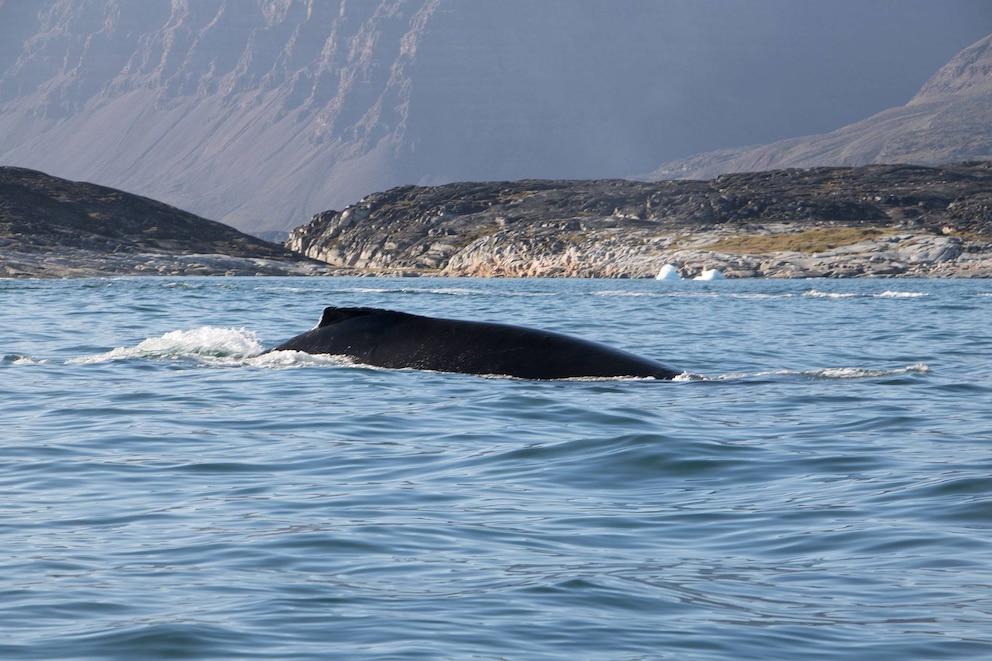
{"x": 837, "y": 372}
{"x": 286, "y": 359}
{"x": 210, "y": 346}
{"x": 902, "y": 294}
{"x": 207, "y": 344}
{"x": 18, "y": 359}
{"x": 814, "y": 293}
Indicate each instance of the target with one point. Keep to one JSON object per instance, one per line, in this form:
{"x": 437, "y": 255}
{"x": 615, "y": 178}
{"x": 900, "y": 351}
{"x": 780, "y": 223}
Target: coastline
{"x": 898, "y": 255}
{"x": 72, "y": 263}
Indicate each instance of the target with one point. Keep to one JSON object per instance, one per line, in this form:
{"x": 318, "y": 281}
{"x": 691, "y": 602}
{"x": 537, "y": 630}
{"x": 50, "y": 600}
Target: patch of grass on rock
{"x": 811, "y": 241}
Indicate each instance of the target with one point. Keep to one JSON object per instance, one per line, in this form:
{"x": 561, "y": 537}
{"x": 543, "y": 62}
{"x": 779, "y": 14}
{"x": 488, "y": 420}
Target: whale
{"x": 399, "y": 340}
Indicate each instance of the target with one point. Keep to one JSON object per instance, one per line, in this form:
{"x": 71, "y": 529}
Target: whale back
{"x": 387, "y": 338}
{"x": 332, "y": 315}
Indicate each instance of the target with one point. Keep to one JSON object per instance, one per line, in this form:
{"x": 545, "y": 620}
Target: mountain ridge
{"x": 945, "y": 122}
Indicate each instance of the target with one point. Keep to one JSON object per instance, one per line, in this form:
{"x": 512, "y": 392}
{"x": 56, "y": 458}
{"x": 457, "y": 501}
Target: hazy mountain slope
{"x": 258, "y": 106}
{"x": 950, "y": 119}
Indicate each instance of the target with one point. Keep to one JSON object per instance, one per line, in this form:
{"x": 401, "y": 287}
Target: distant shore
{"x": 73, "y": 263}
{"x": 894, "y": 256}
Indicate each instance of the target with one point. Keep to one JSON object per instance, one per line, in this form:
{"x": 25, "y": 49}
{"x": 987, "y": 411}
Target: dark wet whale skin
{"x": 385, "y": 338}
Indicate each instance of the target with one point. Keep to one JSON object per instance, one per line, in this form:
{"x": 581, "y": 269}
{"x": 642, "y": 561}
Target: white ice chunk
{"x": 709, "y": 274}
{"x": 668, "y": 272}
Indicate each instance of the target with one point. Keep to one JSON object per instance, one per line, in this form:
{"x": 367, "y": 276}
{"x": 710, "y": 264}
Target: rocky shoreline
{"x": 896, "y": 255}
{"x": 902, "y": 255}
{"x": 75, "y": 263}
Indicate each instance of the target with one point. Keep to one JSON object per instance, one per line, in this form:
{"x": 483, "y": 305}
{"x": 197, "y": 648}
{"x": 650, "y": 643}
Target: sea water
{"x": 818, "y": 484}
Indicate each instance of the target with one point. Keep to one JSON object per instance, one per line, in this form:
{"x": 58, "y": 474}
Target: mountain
{"x": 949, "y": 119}
{"x": 51, "y": 227}
{"x": 257, "y": 106}
{"x": 259, "y": 113}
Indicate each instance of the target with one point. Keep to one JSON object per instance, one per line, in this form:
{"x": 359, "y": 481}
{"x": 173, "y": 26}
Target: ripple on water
{"x": 168, "y": 493}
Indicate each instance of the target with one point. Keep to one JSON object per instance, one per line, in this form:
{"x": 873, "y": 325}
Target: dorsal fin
{"x": 335, "y": 315}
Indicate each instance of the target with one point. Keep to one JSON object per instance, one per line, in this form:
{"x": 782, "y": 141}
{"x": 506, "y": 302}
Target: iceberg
{"x": 709, "y": 274}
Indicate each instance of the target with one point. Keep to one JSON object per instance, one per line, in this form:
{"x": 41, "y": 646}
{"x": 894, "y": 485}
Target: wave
{"x": 901, "y": 294}
{"x": 838, "y": 372}
{"x": 813, "y": 293}
{"x": 761, "y": 296}
{"x": 21, "y": 359}
{"x": 438, "y": 291}
{"x": 699, "y": 293}
{"x": 685, "y": 293}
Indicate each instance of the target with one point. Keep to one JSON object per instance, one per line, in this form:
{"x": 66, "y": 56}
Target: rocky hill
{"x": 822, "y": 222}
{"x": 948, "y": 120}
{"x": 875, "y": 220}
{"x": 51, "y": 227}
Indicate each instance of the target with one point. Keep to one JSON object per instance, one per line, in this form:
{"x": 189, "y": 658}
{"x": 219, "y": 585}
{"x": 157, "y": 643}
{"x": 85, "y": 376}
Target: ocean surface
{"x": 818, "y": 484}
